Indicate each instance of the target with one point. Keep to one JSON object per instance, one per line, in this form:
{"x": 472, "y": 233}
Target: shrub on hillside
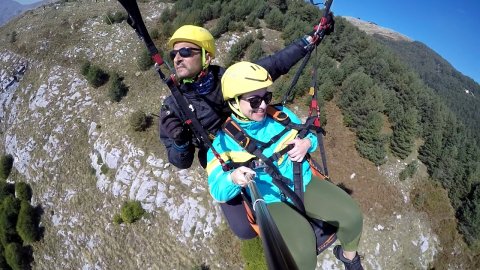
{"x": 115, "y": 17}
{"x": 144, "y": 60}
{"x": 255, "y": 51}
{"x": 95, "y": 76}
{"x": 117, "y": 219}
{"x": 23, "y": 191}
{"x": 138, "y": 121}
{"x": 222, "y": 26}
{"x": 6, "y": 164}
{"x": 132, "y": 211}
{"x": 16, "y": 257}
{"x": 3, "y": 261}
{"x": 275, "y": 19}
{"x": 117, "y": 88}
{"x": 238, "y": 49}
{"x": 409, "y": 171}
{"x": 9, "y": 210}
{"x": 26, "y": 224}
{"x": 85, "y": 67}
{"x": 5, "y": 190}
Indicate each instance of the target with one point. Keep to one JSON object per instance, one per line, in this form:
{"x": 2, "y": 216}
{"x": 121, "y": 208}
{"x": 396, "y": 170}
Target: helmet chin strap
{"x": 234, "y": 105}
{"x": 202, "y": 73}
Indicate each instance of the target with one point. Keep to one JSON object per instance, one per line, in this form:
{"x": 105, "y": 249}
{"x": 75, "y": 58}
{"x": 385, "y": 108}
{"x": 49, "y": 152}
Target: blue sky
{"x": 451, "y": 28}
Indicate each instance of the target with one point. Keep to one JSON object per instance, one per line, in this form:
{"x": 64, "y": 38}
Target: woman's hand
{"x": 299, "y": 150}
{"x": 242, "y": 176}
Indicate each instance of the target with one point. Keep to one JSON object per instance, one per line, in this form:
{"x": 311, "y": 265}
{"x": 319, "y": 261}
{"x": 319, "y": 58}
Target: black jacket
{"x": 211, "y": 110}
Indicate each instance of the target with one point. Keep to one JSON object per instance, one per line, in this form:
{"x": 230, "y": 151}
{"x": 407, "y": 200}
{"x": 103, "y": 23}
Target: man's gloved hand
{"x": 172, "y": 127}
{"x": 328, "y": 24}
{"x": 331, "y": 24}
{"x": 181, "y": 135}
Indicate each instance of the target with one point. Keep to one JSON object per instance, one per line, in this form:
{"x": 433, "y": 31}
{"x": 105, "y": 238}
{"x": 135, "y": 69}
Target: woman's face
{"x": 259, "y": 99}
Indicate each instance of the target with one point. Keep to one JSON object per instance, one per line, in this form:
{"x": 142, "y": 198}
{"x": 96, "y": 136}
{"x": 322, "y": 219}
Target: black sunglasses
{"x": 184, "y": 52}
{"x": 256, "y": 101}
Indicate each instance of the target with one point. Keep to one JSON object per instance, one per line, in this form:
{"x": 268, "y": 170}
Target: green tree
{"x": 95, "y": 76}
{"x": 26, "y": 224}
{"x": 255, "y": 51}
{"x": 274, "y": 19}
{"x": 409, "y": 170}
{"x": 3, "y": 261}
{"x": 221, "y": 26}
{"x": 117, "y": 88}
{"x": 8, "y": 218}
{"x": 294, "y": 29}
{"x": 23, "y": 191}
{"x": 370, "y": 143}
{"x": 132, "y": 211}
{"x": 237, "y": 51}
{"x": 6, "y": 164}
{"x": 13, "y": 37}
{"x": 469, "y": 216}
{"x": 15, "y": 256}
{"x": 279, "y": 4}
{"x": 138, "y": 121}
{"x": 404, "y": 134}
{"x": 144, "y": 60}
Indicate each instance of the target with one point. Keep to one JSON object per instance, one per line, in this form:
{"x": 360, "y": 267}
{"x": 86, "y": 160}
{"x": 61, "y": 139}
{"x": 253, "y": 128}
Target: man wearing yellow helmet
{"x": 192, "y": 51}
{"x": 244, "y": 87}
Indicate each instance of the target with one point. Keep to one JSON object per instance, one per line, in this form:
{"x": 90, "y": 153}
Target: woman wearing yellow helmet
{"x": 279, "y": 147}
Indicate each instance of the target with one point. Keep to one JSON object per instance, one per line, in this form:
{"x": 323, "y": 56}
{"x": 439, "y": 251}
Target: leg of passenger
{"x": 297, "y": 233}
{"x": 236, "y": 217}
{"x": 326, "y": 201}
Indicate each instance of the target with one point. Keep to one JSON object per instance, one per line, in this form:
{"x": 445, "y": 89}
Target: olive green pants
{"x": 325, "y": 201}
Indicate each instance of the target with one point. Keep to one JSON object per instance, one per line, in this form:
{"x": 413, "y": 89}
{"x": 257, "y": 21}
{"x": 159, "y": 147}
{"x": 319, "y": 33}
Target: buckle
{"x": 258, "y": 164}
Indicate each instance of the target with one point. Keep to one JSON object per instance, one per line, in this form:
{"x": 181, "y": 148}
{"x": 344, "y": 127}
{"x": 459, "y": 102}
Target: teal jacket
{"x": 220, "y": 184}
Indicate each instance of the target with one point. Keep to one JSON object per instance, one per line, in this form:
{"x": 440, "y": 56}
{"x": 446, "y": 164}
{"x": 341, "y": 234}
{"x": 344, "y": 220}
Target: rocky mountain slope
{"x": 373, "y": 28}
{"x": 61, "y": 132}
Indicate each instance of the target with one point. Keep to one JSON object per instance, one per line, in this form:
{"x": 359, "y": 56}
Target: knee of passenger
{"x": 354, "y": 219}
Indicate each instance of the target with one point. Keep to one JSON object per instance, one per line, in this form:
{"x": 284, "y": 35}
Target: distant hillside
{"x": 373, "y": 28}
{"x": 11, "y": 8}
{"x": 460, "y": 92}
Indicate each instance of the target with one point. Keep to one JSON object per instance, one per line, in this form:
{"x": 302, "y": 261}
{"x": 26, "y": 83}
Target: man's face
{"x": 189, "y": 66}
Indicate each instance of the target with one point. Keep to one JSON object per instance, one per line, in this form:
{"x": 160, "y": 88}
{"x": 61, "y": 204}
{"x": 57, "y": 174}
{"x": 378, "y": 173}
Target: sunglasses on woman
{"x": 256, "y": 101}
{"x": 184, "y": 52}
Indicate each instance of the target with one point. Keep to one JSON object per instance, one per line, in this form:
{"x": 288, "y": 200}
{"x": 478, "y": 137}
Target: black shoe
{"x": 353, "y": 264}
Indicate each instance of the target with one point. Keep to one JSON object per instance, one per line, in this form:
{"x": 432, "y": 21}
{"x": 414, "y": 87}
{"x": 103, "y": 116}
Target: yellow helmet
{"x": 196, "y": 35}
{"x": 244, "y": 77}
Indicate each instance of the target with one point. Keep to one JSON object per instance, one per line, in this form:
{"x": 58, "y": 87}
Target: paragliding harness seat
{"x": 325, "y": 233}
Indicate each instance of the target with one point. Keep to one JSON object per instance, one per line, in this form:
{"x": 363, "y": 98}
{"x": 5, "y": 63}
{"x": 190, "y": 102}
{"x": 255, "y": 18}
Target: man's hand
{"x": 173, "y": 128}
{"x": 299, "y": 150}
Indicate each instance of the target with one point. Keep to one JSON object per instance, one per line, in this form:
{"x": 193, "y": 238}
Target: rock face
{"x": 74, "y": 147}
{"x": 372, "y": 28}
